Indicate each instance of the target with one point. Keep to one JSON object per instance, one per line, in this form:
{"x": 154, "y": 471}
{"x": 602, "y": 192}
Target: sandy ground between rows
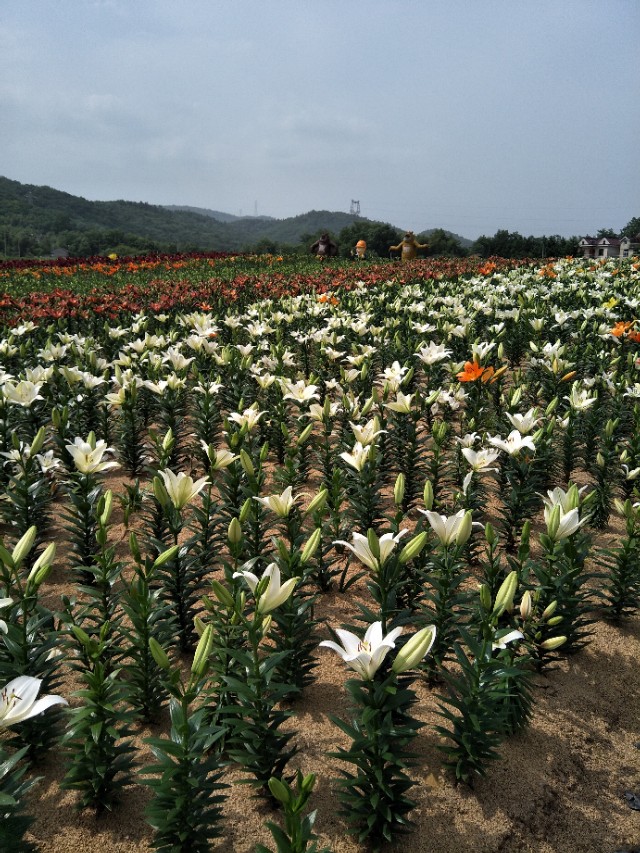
{"x": 559, "y": 787}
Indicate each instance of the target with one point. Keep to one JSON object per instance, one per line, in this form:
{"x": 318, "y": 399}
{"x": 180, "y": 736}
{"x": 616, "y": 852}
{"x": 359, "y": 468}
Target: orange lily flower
{"x": 326, "y": 297}
{"x": 620, "y": 328}
{"x": 472, "y": 371}
{"x": 487, "y": 373}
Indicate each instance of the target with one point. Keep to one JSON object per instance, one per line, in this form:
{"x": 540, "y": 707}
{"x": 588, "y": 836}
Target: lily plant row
{"x": 444, "y": 452}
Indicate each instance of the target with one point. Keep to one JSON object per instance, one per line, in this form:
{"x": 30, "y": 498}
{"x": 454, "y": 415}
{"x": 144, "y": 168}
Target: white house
{"x": 609, "y": 247}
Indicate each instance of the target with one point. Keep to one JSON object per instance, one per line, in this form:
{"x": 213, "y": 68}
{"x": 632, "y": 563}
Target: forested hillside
{"x": 38, "y": 221}
{"x": 34, "y": 220}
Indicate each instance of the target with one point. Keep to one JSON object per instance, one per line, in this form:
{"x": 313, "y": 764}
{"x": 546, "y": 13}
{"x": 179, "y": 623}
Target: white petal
{"x": 46, "y": 702}
{"x": 349, "y": 641}
{"x": 249, "y": 577}
{"x": 329, "y": 644}
{"x": 392, "y": 636}
{"x": 373, "y": 634}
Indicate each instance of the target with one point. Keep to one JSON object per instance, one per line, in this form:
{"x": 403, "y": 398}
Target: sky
{"x": 468, "y": 115}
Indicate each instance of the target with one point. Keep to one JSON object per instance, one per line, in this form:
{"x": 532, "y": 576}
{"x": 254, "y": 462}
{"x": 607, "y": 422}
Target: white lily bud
{"x": 398, "y": 490}
{"x": 413, "y": 548}
{"x": 506, "y": 593}
{"x": 526, "y": 606}
{"x": 234, "y": 532}
{"x": 414, "y": 650}
{"x": 24, "y": 545}
{"x": 158, "y": 654}
{"x": 464, "y": 530}
{"x": 311, "y": 546}
{"x": 203, "y": 650}
{"x": 428, "y": 495}
{"x": 553, "y": 643}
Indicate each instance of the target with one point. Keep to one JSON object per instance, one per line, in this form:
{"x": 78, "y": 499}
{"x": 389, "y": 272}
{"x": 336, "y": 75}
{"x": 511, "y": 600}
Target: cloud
{"x": 484, "y": 118}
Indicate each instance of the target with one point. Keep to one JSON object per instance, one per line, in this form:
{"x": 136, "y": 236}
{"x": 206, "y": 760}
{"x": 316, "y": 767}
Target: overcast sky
{"x": 471, "y": 115}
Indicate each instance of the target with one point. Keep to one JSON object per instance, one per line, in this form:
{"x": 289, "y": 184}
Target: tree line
{"x": 21, "y": 242}
{"x": 35, "y": 221}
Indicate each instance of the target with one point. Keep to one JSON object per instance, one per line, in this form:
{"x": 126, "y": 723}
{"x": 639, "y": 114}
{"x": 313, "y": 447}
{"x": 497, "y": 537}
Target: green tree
{"x": 378, "y": 236}
{"x": 265, "y": 246}
{"x": 442, "y": 243}
{"x": 507, "y": 244}
{"x": 632, "y": 228}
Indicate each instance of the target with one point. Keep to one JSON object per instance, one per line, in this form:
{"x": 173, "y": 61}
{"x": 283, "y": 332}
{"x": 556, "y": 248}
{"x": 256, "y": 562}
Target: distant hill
{"x": 33, "y": 219}
{"x": 287, "y": 231}
{"x": 214, "y": 214}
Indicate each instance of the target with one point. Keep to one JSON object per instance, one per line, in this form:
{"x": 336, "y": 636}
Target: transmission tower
{"x": 355, "y": 207}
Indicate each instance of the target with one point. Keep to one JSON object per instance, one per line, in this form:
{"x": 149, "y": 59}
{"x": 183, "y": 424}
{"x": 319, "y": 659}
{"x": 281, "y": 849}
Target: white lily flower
{"x": 38, "y": 374}
{"x": 402, "y": 403}
{"x": 468, "y": 440}
{"x": 393, "y": 376}
{"x": 280, "y": 504}
{"x": 274, "y": 593}
{"x": 561, "y": 524}
{"x": 432, "y": 353}
{"x": 501, "y": 642}
{"x": 211, "y": 388}
{"x": 90, "y": 381}
{"x": 579, "y": 398}
{"x": 454, "y": 528}
{"x": 158, "y": 388}
{"x": 567, "y": 500}
{"x": 319, "y": 413}
{"x": 482, "y": 348}
{"x": 514, "y": 442}
{"x": 53, "y": 352}
{"x": 18, "y": 454}
{"x": 116, "y": 398}
{"x": 480, "y": 460}
{"x": 368, "y": 433}
{"x": 220, "y": 458}
{"x": 264, "y": 380}
{"x": 24, "y": 328}
{"x": 362, "y": 548}
{"x": 300, "y": 392}
{"x": 71, "y": 374}
{"x": 18, "y": 700}
{"x": 23, "y": 393}
{"x": 350, "y": 375}
{"x": 87, "y": 455}
{"x": 630, "y": 473}
{"x": 249, "y": 418}
{"x": 181, "y": 488}
{"x": 358, "y": 457}
{"x": 176, "y": 359}
{"x": 175, "y": 382}
{"x": 332, "y": 354}
{"x": 551, "y": 351}
{"x": 524, "y": 423}
{"x": 364, "y": 656}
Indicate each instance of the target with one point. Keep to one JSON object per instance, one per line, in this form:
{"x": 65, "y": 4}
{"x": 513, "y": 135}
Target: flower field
{"x": 301, "y": 556}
